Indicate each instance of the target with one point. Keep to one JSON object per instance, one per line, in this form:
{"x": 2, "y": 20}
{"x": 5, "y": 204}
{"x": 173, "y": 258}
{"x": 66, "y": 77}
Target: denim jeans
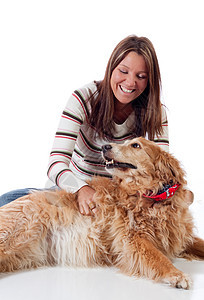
{"x": 13, "y": 195}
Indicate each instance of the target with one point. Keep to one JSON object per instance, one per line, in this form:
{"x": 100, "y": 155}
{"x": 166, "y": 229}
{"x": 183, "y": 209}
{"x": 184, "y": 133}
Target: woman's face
{"x": 129, "y": 79}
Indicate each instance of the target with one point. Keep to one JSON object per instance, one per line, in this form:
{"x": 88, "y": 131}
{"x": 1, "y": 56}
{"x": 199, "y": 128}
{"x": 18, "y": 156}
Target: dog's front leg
{"x": 146, "y": 260}
{"x": 195, "y": 250}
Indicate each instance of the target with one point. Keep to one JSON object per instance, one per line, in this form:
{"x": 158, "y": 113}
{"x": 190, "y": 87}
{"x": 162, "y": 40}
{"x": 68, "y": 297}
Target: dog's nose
{"x": 106, "y": 147}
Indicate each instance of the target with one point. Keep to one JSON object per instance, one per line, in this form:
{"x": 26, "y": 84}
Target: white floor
{"x": 64, "y": 283}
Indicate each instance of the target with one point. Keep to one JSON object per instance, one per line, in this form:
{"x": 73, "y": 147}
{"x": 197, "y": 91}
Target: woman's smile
{"x": 125, "y": 90}
{"x": 129, "y": 79}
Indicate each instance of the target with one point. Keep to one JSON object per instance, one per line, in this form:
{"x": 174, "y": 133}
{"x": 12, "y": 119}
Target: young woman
{"x": 125, "y": 104}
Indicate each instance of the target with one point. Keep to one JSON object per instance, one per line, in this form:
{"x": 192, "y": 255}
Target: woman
{"x": 125, "y": 104}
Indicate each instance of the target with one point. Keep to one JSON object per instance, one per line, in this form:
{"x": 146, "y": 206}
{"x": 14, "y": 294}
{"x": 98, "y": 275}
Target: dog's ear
{"x": 168, "y": 168}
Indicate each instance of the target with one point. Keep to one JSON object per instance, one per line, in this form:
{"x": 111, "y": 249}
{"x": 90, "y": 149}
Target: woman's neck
{"x": 121, "y": 111}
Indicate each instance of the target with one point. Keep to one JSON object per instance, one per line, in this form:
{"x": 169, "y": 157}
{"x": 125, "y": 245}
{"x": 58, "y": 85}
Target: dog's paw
{"x": 180, "y": 281}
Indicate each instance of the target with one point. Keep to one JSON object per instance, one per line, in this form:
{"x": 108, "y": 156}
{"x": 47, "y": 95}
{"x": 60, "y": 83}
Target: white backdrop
{"x": 48, "y": 48}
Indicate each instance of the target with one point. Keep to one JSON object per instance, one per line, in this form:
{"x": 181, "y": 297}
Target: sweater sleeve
{"x": 163, "y": 139}
{"x": 64, "y": 143}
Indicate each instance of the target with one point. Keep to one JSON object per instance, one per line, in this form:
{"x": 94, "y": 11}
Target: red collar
{"x": 164, "y": 194}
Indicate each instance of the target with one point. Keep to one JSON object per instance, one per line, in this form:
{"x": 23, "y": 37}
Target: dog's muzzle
{"x": 111, "y": 163}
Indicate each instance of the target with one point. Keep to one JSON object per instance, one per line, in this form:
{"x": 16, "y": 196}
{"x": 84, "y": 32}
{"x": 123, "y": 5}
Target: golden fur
{"x": 131, "y": 232}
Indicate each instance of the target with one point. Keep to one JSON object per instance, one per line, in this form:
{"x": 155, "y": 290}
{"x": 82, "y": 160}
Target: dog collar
{"x": 167, "y": 192}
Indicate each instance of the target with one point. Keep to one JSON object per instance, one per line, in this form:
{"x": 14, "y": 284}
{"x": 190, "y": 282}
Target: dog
{"x": 143, "y": 220}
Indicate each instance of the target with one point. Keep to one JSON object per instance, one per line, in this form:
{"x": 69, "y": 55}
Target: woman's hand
{"x": 85, "y": 201}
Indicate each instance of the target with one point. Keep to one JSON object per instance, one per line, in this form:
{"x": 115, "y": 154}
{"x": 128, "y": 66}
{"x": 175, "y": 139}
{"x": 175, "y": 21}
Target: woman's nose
{"x": 131, "y": 81}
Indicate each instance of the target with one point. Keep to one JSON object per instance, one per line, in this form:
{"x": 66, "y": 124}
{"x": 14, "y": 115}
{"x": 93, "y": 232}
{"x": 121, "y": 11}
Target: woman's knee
{"x": 13, "y": 195}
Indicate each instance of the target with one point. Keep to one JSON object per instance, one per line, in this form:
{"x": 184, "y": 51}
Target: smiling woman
{"x": 132, "y": 78}
{"x": 124, "y": 105}
{"x": 129, "y": 79}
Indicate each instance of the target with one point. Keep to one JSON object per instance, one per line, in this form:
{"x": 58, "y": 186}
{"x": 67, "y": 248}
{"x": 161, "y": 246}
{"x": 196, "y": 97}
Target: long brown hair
{"x": 147, "y": 106}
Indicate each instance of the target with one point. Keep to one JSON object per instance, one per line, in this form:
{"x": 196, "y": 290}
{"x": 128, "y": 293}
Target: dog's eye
{"x": 135, "y": 145}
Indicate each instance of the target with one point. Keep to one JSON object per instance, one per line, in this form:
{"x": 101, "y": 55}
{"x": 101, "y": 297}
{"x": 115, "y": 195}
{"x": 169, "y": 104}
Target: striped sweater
{"x": 76, "y": 155}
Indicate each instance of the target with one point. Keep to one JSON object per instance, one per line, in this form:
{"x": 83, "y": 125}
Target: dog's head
{"x": 143, "y": 161}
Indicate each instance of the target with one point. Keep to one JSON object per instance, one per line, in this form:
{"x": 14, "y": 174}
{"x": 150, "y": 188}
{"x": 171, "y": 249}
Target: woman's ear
{"x": 168, "y": 168}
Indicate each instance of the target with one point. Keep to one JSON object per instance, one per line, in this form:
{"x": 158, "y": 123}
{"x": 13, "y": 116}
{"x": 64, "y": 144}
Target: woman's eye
{"x": 141, "y": 76}
{"x": 123, "y": 71}
{"x": 135, "y": 145}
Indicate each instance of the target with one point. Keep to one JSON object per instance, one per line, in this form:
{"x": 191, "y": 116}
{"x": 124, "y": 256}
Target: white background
{"x": 48, "y": 49}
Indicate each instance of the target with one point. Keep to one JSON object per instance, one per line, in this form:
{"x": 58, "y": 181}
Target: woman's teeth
{"x": 126, "y": 90}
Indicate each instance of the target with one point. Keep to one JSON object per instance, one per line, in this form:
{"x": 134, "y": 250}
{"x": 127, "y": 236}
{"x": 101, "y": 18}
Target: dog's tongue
{"x": 117, "y": 164}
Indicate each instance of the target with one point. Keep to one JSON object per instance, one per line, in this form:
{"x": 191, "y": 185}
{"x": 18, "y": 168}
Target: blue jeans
{"x": 13, "y": 195}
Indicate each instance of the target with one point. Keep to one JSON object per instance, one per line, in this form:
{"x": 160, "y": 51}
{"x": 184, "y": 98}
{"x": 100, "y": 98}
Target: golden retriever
{"x": 135, "y": 229}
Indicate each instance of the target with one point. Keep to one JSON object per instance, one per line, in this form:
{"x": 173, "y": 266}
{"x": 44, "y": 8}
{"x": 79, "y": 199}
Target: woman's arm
{"x": 59, "y": 172}
{"x": 60, "y": 157}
